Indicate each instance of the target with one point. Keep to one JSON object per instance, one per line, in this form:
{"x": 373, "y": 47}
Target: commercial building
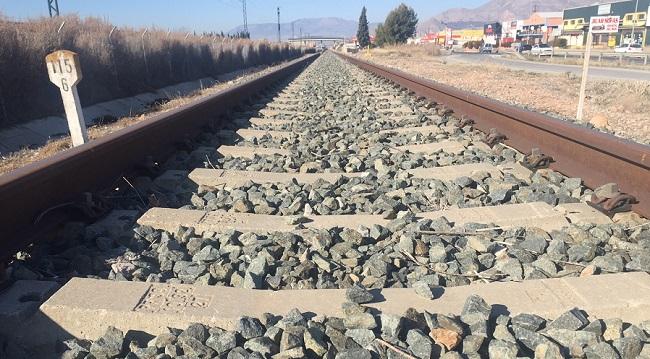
{"x": 540, "y": 28}
{"x": 492, "y": 33}
{"x": 633, "y": 28}
{"x": 457, "y": 37}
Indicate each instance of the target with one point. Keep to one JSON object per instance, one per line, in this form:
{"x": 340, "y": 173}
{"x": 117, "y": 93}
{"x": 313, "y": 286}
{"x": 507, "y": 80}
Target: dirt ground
{"x": 21, "y": 158}
{"x": 624, "y": 104}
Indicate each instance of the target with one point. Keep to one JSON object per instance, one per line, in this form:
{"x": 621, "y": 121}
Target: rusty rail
{"x": 596, "y": 157}
{"x": 29, "y": 191}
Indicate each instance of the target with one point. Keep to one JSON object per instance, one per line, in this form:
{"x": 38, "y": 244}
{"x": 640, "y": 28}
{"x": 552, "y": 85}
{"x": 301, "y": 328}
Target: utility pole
{"x": 245, "y": 16}
{"x": 279, "y": 37}
{"x": 53, "y": 7}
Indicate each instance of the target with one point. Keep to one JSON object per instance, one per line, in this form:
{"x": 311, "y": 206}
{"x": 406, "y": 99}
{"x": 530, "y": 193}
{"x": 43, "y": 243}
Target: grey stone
{"x": 238, "y": 353}
{"x": 574, "y": 341}
{"x": 571, "y": 320}
{"x": 289, "y": 341}
{"x": 420, "y": 344}
{"x": 528, "y": 321}
{"x": 354, "y": 354}
{"x": 502, "y": 332}
{"x": 582, "y": 253}
{"x": 197, "y": 331}
{"x": 315, "y": 342}
{"x": 425, "y": 290}
{"x": 601, "y": 350}
{"x": 108, "y": 345}
{"x": 293, "y": 353}
{"x": 472, "y": 343}
{"x": 548, "y": 350}
{"x": 192, "y": 346}
{"x": 500, "y": 349}
{"x": 475, "y": 309}
{"x": 363, "y": 337}
{"x": 391, "y": 325}
{"x": 249, "y": 327}
{"x": 222, "y": 342}
{"x": 613, "y": 329}
{"x": 628, "y": 348}
{"x": 529, "y": 338}
{"x": 358, "y": 294}
{"x": 262, "y": 345}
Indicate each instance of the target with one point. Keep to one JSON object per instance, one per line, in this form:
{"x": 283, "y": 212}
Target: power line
{"x": 53, "y": 7}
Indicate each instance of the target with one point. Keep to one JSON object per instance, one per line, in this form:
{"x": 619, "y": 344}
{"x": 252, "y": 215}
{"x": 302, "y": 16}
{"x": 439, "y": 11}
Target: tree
{"x": 400, "y": 24}
{"x": 381, "y": 37}
{"x": 363, "y": 35}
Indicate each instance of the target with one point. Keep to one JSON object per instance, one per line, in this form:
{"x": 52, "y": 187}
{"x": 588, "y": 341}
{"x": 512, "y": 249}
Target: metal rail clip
{"x": 494, "y": 137}
{"x": 621, "y": 202}
{"x": 536, "y": 160}
{"x": 465, "y": 122}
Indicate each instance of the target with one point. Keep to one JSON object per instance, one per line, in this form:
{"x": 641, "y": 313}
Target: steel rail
{"x": 598, "y": 158}
{"x": 29, "y": 191}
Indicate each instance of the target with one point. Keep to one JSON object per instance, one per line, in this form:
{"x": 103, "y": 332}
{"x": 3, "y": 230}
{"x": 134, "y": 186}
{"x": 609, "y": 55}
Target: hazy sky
{"x": 221, "y": 15}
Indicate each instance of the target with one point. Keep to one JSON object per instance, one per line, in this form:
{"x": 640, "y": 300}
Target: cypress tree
{"x": 363, "y": 35}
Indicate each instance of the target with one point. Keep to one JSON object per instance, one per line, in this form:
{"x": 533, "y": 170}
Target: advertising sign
{"x": 605, "y": 9}
{"x": 604, "y": 24}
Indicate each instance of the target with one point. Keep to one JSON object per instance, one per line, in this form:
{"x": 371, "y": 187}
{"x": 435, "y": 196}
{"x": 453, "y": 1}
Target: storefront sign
{"x": 604, "y": 24}
{"x": 605, "y": 9}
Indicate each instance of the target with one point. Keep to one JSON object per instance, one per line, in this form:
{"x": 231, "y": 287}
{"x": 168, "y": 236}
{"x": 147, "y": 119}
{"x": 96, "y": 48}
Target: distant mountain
{"x": 496, "y": 10}
{"x": 326, "y": 26}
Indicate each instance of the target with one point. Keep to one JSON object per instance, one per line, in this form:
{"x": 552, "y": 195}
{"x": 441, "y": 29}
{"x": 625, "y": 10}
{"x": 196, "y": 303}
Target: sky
{"x": 221, "y": 15}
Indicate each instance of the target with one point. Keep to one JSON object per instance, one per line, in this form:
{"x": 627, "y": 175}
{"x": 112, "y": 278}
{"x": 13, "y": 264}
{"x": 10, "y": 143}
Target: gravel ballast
{"x": 479, "y": 332}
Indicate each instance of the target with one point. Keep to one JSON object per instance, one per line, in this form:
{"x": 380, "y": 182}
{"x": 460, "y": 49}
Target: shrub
{"x": 125, "y": 64}
{"x": 560, "y": 42}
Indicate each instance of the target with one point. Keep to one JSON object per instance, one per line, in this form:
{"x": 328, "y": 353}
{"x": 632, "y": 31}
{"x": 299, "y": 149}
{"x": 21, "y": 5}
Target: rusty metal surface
{"x": 27, "y": 192}
{"x": 596, "y": 157}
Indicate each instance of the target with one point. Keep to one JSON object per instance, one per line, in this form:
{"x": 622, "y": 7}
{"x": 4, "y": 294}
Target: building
{"x": 510, "y": 31}
{"x": 540, "y": 28}
{"x": 633, "y": 29}
{"x": 492, "y": 33}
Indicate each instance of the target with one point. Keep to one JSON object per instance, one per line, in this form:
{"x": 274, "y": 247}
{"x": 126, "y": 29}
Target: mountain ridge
{"x": 492, "y": 10}
{"x": 497, "y": 10}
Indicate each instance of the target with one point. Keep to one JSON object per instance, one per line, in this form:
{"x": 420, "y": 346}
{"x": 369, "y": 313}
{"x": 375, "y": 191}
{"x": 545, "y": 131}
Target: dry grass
{"x": 23, "y": 157}
{"x": 397, "y": 51}
{"x": 128, "y": 62}
{"x": 623, "y": 103}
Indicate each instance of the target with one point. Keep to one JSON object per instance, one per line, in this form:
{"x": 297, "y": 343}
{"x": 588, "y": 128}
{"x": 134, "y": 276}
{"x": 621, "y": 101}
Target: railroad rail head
{"x": 28, "y": 193}
{"x": 598, "y": 158}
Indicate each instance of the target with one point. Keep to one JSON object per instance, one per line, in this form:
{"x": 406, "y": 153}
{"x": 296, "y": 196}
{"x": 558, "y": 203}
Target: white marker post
{"x": 597, "y": 25}
{"x": 65, "y": 72}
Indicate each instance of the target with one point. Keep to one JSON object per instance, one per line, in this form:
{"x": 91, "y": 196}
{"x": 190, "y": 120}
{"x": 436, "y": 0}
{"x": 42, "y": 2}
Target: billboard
{"x": 493, "y": 29}
{"x": 605, "y": 9}
{"x": 604, "y": 24}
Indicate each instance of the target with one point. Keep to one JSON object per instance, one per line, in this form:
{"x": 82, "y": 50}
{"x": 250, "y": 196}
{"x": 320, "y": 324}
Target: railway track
{"x": 342, "y": 189}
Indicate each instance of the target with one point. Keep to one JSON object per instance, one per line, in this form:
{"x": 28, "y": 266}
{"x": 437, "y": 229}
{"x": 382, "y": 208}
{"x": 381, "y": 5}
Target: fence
{"x": 634, "y": 58}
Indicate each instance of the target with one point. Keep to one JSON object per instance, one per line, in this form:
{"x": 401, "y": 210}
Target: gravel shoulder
{"x": 619, "y": 107}
{"x": 26, "y": 156}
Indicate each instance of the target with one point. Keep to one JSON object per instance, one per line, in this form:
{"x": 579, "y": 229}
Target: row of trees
{"x": 400, "y": 24}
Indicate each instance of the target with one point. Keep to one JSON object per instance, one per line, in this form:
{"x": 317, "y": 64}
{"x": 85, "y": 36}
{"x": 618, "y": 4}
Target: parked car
{"x": 524, "y": 48}
{"x": 541, "y": 50}
{"x": 629, "y": 48}
{"x": 489, "y": 49}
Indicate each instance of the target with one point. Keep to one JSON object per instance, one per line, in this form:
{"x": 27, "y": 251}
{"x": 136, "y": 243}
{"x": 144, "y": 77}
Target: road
{"x": 607, "y": 73}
